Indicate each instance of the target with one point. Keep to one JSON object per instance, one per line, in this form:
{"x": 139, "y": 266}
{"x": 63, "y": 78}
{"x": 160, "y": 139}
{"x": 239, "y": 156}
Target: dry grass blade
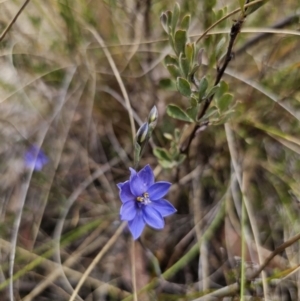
{"x": 243, "y": 184}
{"x": 119, "y": 79}
{"x": 97, "y": 259}
{"x": 6, "y": 30}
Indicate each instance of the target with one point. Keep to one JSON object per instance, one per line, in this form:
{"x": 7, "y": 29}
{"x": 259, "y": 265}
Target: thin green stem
{"x": 243, "y": 251}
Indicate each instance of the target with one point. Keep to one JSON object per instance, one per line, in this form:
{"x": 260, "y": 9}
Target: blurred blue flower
{"x": 35, "y": 158}
{"x": 143, "y": 201}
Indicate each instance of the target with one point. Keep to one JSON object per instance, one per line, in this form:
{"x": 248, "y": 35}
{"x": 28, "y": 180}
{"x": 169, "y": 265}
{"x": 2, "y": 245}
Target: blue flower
{"x": 143, "y": 201}
{"x": 35, "y": 158}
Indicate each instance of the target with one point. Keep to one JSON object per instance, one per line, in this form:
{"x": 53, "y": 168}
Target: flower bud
{"x": 152, "y": 118}
{"x": 142, "y": 133}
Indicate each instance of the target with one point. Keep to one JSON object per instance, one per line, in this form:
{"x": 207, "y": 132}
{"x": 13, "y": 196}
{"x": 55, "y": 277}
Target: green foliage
{"x": 252, "y": 8}
{"x": 183, "y": 86}
{"x": 170, "y": 158}
{"x": 184, "y": 65}
{"x": 223, "y": 88}
{"x": 174, "y": 70}
{"x": 171, "y": 59}
{"x": 177, "y": 113}
{"x": 242, "y": 3}
{"x": 164, "y": 22}
{"x": 212, "y": 91}
{"x": 74, "y": 36}
{"x": 185, "y": 23}
{"x": 175, "y": 17}
{"x": 192, "y": 112}
{"x": 167, "y": 84}
{"x": 180, "y": 39}
{"x": 189, "y": 53}
{"x": 203, "y": 85}
{"x": 224, "y": 102}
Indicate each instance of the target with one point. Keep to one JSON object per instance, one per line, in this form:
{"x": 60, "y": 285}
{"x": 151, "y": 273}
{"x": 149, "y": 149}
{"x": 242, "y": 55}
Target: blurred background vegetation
{"x": 68, "y": 69}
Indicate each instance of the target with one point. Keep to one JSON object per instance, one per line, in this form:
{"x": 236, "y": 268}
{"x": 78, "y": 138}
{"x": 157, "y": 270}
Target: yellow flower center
{"x": 144, "y": 199}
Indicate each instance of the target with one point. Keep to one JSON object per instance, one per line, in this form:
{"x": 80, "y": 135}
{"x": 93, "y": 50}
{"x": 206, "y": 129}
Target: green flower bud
{"x": 152, "y": 118}
{"x": 142, "y": 133}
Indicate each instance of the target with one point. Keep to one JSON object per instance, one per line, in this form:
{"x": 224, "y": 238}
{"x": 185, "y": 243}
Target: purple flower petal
{"x": 35, "y": 158}
{"x": 164, "y": 207}
{"x": 125, "y": 192}
{"x": 142, "y": 201}
{"x": 38, "y": 166}
{"x": 158, "y": 190}
{"x": 128, "y": 211}
{"x": 153, "y": 218}
{"x": 147, "y": 176}
{"x": 120, "y": 185}
{"x": 40, "y": 161}
{"x": 136, "y": 226}
{"x": 136, "y": 184}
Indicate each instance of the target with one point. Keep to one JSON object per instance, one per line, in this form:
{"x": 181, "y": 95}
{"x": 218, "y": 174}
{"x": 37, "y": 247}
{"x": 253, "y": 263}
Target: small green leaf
{"x": 222, "y": 90}
{"x": 249, "y": 10}
{"x": 224, "y": 102}
{"x": 169, "y": 18}
{"x": 167, "y": 84}
{"x": 180, "y": 40}
{"x": 242, "y": 3}
{"x": 167, "y": 164}
{"x": 164, "y": 22}
{"x": 194, "y": 70}
{"x": 219, "y": 14}
{"x": 211, "y": 112}
{"x": 194, "y": 100}
{"x": 202, "y": 87}
{"x": 171, "y": 59}
{"x": 174, "y": 151}
{"x": 177, "y": 113}
{"x": 162, "y": 154}
{"x": 177, "y": 135}
{"x": 183, "y": 86}
{"x": 176, "y": 12}
{"x": 228, "y": 115}
{"x": 174, "y": 70}
{"x": 184, "y": 65}
{"x": 213, "y": 91}
{"x": 171, "y": 40}
{"x": 189, "y": 52}
{"x": 185, "y": 23}
{"x": 168, "y": 136}
{"x": 192, "y": 112}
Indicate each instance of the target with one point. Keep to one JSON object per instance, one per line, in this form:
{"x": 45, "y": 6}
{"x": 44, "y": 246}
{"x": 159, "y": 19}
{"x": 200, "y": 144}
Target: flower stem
{"x": 133, "y": 275}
